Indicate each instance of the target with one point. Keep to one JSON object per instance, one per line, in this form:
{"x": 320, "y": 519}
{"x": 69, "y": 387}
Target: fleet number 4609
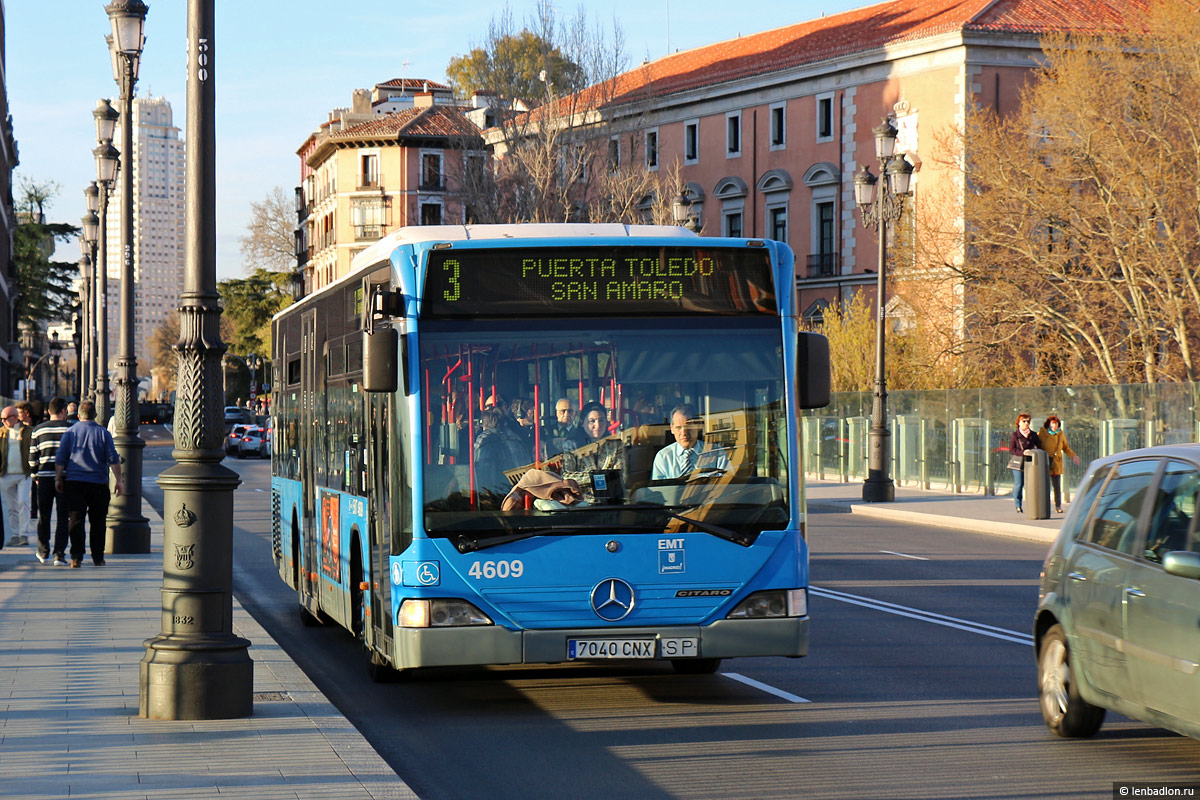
{"x": 496, "y": 569}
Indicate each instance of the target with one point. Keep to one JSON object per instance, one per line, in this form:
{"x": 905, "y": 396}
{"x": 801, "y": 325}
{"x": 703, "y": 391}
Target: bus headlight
{"x": 439, "y": 613}
{"x": 772, "y": 604}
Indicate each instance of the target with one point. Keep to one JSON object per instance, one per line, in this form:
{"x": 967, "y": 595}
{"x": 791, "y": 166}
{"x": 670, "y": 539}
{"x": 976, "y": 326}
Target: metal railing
{"x": 957, "y": 439}
{"x": 824, "y": 265}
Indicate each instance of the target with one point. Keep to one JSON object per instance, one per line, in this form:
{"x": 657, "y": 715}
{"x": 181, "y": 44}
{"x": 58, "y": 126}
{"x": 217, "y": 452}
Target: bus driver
{"x": 688, "y": 453}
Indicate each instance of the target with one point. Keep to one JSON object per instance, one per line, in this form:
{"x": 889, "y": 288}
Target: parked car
{"x": 1120, "y": 595}
{"x": 234, "y": 438}
{"x": 254, "y": 442}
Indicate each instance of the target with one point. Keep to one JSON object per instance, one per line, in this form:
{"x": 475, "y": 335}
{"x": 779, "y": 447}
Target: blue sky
{"x": 281, "y": 65}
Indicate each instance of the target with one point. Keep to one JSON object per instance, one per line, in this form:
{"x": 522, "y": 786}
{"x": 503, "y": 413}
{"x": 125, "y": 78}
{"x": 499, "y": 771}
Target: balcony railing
{"x": 824, "y": 265}
{"x": 367, "y": 232}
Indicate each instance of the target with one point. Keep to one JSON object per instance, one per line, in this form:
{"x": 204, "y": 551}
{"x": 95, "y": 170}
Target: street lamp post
{"x": 881, "y": 204}
{"x": 128, "y": 530}
{"x": 77, "y": 340}
{"x": 55, "y": 355}
{"x": 686, "y": 211}
{"x": 107, "y": 166}
{"x": 86, "y": 297}
{"x": 196, "y": 668}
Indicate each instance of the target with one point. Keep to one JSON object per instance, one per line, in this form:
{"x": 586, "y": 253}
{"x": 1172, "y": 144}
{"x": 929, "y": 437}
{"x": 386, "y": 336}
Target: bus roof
{"x": 416, "y": 234}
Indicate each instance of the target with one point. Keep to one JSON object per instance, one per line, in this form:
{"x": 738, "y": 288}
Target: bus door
{"x": 308, "y": 444}
{"x": 379, "y": 516}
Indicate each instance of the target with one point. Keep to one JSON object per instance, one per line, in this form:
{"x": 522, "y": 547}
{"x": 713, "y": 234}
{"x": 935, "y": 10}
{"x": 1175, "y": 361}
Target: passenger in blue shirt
{"x": 85, "y": 454}
{"x": 688, "y": 454}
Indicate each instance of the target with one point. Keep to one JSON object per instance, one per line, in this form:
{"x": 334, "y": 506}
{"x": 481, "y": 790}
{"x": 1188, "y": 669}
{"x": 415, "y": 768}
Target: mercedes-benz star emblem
{"x": 612, "y": 599}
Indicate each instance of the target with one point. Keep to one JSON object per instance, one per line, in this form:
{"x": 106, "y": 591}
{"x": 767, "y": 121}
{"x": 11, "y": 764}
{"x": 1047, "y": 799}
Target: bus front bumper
{"x": 444, "y": 647}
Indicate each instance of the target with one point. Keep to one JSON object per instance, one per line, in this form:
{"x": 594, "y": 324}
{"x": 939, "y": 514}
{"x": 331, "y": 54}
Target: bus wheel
{"x": 695, "y": 666}
{"x": 309, "y": 619}
{"x": 378, "y": 669}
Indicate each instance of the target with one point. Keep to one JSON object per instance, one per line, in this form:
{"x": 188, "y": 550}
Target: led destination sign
{"x": 598, "y": 281}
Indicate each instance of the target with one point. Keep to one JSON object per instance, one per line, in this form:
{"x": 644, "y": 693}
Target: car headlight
{"x": 439, "y": 613}
{"x": 772, "y": 604}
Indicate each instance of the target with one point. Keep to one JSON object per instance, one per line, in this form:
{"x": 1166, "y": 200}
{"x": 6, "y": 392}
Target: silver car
{"x": 1118, "y": 619}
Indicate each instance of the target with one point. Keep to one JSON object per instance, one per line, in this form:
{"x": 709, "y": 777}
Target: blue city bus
{"x": 479, "y": 450}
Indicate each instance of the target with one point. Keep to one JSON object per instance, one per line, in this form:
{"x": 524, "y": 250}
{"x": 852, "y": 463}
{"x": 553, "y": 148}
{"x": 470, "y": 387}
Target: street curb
{"x": 1013, "y": 530}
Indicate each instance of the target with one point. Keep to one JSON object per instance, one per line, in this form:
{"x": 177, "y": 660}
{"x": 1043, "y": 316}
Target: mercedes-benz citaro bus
{"x": 546, "y": 443}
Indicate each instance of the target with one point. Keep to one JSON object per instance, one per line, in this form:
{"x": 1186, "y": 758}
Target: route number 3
{"x": 455, "y": 290}
{"x": 496, "y": 569}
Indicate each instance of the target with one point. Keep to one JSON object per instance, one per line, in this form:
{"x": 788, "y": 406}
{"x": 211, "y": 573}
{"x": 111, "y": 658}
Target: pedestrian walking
{"x": 42, "y": 450}
{"x": 1022, "y": 439}
{"x": 14, "y": 469}
{"x": 85, "y": 454}
{"x": 1054, "y": 442}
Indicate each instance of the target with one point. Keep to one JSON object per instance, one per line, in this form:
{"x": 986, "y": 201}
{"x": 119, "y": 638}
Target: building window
{"x": 733, "y": 224}
{"x": 431, "y": 213}
{"x": 691, "y": 141}
{"x": 733, "y": 134}
{"x": 824, "y": 117}
{"x": 825, "y": 261}
{"x": 368, "y": 174}
{"x": 778, "y": 126}
{"x": 367, "y": 217}
{"x": 431, "y": 171}
{"x": 777, "y": 222}
{"x": 614, "y": 153}
{"x": 652, "y": 149}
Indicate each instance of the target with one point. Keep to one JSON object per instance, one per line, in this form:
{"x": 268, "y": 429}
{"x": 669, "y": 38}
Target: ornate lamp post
{"x": 686, "y": 211}
{"x": 87, "y": 297}
{"x": 55, "y": 357}
{"x": 128, "y": 530}
{"x": 107, "y": 164}
{"x": 881, "y": 204}
{"x": 196, "y": 668}
{"x": 77, "y": 341}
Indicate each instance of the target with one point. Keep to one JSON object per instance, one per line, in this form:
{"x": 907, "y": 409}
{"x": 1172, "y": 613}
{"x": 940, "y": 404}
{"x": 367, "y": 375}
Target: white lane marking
{"x": 1003, "y": 634}
{"x": 904, "y": 555}
{"x": 791, "y": 698}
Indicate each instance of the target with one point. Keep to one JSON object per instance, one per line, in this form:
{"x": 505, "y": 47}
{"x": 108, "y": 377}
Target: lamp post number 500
{"x": 202, "y": 60}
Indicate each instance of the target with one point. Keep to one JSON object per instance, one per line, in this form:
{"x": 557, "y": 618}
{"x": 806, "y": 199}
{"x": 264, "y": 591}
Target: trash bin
{"x": 1037, "y": 484}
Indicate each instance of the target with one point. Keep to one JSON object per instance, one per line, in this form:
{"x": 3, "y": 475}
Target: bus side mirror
{"x": 812, "y": 370}
{"x": 380, "y": 360}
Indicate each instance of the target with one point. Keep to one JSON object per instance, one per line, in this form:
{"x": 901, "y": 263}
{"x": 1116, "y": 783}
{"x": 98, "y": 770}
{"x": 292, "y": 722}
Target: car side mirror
{"x": 1183, "y": 563}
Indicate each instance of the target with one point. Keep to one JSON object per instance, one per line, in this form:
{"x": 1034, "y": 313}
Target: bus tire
{"x": 378, "y": 669}
{"x": 696, "y": 666}
{"x": 309, "y": 619}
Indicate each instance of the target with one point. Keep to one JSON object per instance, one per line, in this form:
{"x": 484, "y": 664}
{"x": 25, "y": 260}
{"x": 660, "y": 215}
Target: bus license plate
{"x": 609, "y": 648}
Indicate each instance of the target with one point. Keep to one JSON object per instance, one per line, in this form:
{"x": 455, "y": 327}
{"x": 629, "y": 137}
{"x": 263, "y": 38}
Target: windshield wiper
{"x": 744, "y": 539}
{"x": 470, "y": 543}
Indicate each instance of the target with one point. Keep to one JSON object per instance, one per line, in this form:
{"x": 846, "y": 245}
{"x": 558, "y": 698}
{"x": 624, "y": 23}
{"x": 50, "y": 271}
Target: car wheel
{"x": 1065, "y": 712}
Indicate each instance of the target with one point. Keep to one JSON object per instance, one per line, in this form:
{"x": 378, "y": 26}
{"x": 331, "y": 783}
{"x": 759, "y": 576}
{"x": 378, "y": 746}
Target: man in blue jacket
{"x": 85, "y": 455}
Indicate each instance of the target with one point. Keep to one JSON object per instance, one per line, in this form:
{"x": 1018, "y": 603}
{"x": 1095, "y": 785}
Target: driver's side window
{"x": 1115, "y": 522}
{"x": 1173, "y": 523}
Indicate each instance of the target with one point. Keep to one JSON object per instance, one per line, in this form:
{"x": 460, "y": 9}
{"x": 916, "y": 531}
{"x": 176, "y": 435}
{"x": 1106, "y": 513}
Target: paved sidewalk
{"x": 70, "y": 647}
{"x": 976, "y": 513}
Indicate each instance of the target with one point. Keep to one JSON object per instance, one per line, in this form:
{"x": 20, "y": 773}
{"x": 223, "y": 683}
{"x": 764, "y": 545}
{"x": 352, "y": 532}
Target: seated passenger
{"x": 563, "y": 434}
{"x": 497, "y": 449}
{"x": 599, "y": 451}
{"x": 688, "y": 454}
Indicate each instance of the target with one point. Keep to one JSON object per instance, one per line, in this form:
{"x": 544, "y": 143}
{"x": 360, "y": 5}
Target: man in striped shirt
{"x": 42, "y": 448}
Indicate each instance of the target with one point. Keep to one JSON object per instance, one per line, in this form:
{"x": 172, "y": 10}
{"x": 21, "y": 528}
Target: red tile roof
{"x": 437, "y": 121}
{"x": 864, "y": 30}
{"x": 413, "y": 84}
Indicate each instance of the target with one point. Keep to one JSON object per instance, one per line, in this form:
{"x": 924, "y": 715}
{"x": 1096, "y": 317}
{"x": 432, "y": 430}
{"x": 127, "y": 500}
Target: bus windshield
{"x": 558, "y": 427}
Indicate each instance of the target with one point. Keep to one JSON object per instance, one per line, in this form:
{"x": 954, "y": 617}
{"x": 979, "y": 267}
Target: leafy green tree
{"x": 514, "y": 65}
{"x": 249, "y": 304}
{"x": 44, "y": 291}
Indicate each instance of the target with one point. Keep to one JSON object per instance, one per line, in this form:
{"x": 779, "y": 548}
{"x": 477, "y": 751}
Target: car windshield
{"x": 647, "y": 425}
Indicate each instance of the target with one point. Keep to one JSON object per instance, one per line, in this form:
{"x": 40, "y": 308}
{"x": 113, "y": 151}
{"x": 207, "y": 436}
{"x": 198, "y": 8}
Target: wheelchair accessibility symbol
{"x": 428, "y": 573}
{"x": 421, "y": 573}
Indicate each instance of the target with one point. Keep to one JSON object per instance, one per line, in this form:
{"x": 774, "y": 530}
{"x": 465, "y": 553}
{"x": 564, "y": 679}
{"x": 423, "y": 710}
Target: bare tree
{"x": 1079, "y": 262}
{"x": 270, "y": 239}
{"x": 551, "y": 154}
